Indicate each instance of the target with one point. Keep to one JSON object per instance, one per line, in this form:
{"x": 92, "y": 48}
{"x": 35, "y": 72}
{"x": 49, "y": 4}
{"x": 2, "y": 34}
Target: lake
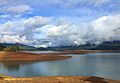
{"x": 105, "y": 65}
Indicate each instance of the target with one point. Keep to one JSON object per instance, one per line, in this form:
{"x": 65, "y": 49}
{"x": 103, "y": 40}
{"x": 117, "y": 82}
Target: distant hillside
{"x": 21, "y": 46}
{"x": 108, "y": 45}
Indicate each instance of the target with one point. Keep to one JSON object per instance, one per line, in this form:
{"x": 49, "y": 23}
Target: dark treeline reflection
{"x": 15, "y": 65}
{"x": 12, "y": 67}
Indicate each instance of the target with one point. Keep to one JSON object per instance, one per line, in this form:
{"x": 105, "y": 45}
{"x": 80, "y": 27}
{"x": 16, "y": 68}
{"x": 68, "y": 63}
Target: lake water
{"x": 105, "y": 65}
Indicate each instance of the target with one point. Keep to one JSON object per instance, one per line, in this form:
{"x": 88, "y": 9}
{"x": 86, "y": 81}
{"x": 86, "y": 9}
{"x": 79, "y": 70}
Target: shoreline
{"x": 26, "y": 56}
{"x": 89, "y": 51}
{"x": 56, "y": 79}
{"x": 23, "y": 56}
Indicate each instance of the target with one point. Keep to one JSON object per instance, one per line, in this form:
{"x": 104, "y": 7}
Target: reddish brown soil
{"x": 87, "y": 51}
{"x": 5, "y": 56}
{"x": 80, "y": 51}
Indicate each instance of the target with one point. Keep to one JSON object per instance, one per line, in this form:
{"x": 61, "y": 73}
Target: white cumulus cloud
{"x": 25, "y": 28}
{"x": 51, "y": 31}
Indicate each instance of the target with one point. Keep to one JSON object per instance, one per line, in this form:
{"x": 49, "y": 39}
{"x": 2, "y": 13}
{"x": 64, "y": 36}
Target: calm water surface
{"x": 105, "y": 65}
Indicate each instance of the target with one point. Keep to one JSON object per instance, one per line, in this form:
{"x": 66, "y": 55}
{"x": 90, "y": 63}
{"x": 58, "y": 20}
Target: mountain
{"x": 107, "y": 45}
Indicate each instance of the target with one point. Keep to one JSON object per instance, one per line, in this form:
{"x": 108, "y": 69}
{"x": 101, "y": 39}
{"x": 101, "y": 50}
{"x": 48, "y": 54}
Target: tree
{"x": 2, "y": 47}
{"x": 12, "y": 49}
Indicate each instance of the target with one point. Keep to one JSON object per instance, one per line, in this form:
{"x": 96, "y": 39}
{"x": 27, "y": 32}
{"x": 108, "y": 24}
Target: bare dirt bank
{"x": 8, "y": 56}
{"x": 56, "y": 79}
{"x": 88, "y": 51}
{"x": 5, "y": 56}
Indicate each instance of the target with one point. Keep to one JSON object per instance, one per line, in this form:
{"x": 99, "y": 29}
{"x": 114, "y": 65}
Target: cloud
{"x": 62, "y": 31}
{"x": 83, "y": 8}
{"x": 14, "y": 39}
{"x": 33, "y": 23}
{"x": 4, "y": 16}
{"x": 68, "y": 34}
{"x": 59, "y": 22}
{"x": 105, "y": 28}
{"x": 67, "y": 3}
{"x": 37, "y": 21}
{"x": 99, "y": 2}
{"x": 12, "y": 27}
{"x": 22, "y": 28}
{"x": 14, "y": 7}
{"x": 77, "y": 3}
{"x": 88, "y": 9}
{"x": 19, "y": 9}
{"x": 2, "y": 2}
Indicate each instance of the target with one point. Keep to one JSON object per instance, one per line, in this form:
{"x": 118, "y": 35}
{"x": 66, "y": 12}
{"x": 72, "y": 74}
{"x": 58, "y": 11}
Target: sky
{"x": 44, "y": 23}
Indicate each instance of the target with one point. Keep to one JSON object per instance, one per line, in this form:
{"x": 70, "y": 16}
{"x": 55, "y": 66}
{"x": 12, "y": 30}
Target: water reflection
{"x": 15, "y": 65}
{"x": 12, "y": 67}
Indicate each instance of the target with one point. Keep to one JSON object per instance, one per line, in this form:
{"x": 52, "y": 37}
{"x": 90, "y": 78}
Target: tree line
{"x": 10, "y": 49}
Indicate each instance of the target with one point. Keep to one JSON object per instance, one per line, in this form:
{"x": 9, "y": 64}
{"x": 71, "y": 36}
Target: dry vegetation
{"x": 44, "y": 56}
{"x": 5, "y": 56}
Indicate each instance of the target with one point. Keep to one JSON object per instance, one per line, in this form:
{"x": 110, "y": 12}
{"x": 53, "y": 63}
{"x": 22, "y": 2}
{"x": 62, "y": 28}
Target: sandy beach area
{"x": 56, "y": 79}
